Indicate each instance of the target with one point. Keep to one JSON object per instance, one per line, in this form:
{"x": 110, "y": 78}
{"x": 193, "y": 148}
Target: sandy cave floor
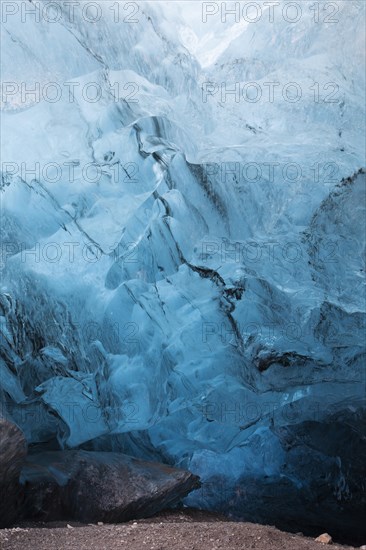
{"x": 169, "y": 530}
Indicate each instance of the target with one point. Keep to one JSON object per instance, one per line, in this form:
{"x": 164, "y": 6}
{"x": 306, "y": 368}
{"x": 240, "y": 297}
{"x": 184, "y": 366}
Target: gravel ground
{"x": 171, "y": 530}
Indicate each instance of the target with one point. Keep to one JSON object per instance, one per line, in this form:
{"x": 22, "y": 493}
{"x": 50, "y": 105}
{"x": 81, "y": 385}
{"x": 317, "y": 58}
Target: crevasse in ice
{"x": 183, "y": 266}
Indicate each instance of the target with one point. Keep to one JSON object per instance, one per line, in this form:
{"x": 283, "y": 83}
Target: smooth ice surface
{"x": 161, "y": 297}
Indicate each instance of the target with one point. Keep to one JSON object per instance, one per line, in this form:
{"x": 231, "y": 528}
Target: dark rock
{"x": 13, "y": 450}
{"x": 93, "y": 486}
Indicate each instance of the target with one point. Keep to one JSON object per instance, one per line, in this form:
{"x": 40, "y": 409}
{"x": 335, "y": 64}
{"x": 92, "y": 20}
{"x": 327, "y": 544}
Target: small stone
{"x": 324, "y": 538}
{"x": 69, "y": 526}
{"x": 363, "y": 547}
{"x": 100, "y": 523}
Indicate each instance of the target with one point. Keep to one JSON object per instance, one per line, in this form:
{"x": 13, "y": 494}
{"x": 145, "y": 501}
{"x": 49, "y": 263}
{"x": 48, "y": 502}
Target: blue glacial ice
{"x": 159, "y": 295}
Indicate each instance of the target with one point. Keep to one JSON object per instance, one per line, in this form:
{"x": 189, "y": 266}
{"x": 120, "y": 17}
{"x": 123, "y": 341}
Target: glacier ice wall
{"x": 182, "y": 272}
